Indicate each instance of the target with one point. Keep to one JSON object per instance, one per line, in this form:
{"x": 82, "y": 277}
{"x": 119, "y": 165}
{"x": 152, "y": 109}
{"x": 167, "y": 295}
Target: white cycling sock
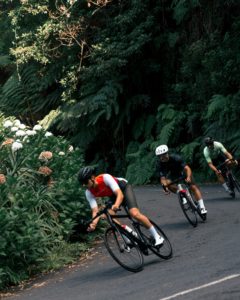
{"x": 200, "y": 203}
{"x": 153, "y": 232}
{"x": 225, "y": 186}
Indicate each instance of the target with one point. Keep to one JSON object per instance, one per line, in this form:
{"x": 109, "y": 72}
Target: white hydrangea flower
{"x": 20, "y": 133}
{"x": 37, "y": 127}
{"x": 61, "y": 153}
{"x": 7, "y": 124}
{"x": 16, "y": 146}
{"x": 22, "y": 126}
{"x": 70, "y": 149}
{"x": 31, "y": 132}
{"x": 14, "y": 129}
{"x": 17, "y": 123}
{"x": 48, "y": 133}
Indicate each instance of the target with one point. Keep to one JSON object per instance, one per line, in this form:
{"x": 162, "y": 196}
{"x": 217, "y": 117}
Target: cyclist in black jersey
{"x": 171, "y": 167}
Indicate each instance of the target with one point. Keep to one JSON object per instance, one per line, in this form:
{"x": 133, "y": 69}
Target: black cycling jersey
{"x": 173, "y": 168}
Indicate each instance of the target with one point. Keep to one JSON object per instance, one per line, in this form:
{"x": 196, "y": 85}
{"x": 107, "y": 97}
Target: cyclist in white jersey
{"x": 215, "y": 153}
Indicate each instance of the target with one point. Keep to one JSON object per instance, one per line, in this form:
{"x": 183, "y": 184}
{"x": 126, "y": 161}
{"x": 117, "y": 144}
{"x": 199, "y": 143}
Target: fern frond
{"x": 217, "y": 104}
{"x": 188, "y": 151}
{"x": 141, "y": 170}
{"x": 166, "y": 133}
{"x": 138, "y": 128}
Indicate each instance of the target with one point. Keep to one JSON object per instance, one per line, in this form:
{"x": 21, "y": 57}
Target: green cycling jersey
{"x": 214, "y": 152}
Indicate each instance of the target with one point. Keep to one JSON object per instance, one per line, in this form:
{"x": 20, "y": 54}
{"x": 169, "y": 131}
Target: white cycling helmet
{"x": 162, "y": 149}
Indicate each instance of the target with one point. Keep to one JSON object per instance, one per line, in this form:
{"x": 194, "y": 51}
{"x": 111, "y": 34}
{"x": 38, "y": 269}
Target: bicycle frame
{"x": 110, "y": 219}
{"x": 181, "y": 189}
{"x": 185, "y": 192}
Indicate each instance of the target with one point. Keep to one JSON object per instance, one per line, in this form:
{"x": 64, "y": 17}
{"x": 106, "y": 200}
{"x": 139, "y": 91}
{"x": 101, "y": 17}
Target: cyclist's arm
{"x": 223, "y": 150}
{"x": 228, "y": 155}
{"x": 164, "y": 182}
{"x": 93, "y": 225}
{"x": 110, "y": 182}
{"x": 212, "y": 167}
{"x": 94, "y": 207}
{"x": 188, "y": 171}
{"x": 119, "y": 199}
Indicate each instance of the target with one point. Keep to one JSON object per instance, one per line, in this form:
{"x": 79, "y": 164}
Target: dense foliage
{"x": 120, "y": 77}
{"x": 40, "y": 201}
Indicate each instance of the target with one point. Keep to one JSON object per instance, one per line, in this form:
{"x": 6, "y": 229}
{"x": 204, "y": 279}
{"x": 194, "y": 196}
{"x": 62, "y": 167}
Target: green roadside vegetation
{"x": 107, "y": 81}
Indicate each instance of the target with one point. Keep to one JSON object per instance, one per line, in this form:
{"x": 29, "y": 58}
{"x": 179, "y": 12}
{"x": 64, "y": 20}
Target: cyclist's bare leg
{"x": 137, "y": 215}
{"x": 196, "y": 192}
{"x": 173, "y": 187}
{"x": 220, "y": 178}
{"x": 198, "y": 196}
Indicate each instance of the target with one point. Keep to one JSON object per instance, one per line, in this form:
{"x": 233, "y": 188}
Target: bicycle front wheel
{"x": 165, "y": 250}
{"x": 188, "y": 209}
{"x": 123, "y": 250}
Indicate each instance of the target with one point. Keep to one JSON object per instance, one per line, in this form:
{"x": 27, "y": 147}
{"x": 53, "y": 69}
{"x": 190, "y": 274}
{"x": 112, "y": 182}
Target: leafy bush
{"x": 40, "y": 198}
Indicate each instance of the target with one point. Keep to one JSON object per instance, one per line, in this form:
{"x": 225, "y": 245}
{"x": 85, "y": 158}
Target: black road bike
{"x": 187, "y": 202}
{"x": 127, "y": 248}
{"x": 229, "y": 177}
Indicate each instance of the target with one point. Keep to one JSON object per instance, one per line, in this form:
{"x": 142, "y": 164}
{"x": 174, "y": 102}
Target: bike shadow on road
{"x": 111, "y": 272}
{"x": 179, "y": 225}
{"x": 223, "y": 199}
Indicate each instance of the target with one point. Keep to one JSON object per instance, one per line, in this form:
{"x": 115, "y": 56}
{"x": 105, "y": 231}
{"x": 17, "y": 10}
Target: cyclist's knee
{"x": 135, "y": 213}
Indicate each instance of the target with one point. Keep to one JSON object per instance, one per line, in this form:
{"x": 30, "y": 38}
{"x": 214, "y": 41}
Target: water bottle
{"x": 130, "y": 230}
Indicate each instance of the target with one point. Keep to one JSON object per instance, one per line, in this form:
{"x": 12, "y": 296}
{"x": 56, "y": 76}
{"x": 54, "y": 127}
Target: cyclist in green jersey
{"x": 215, "y": 153}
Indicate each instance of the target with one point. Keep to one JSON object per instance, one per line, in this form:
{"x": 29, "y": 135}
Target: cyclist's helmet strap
{"x": 85, "y": 174}
{"x": 208, "y": 141}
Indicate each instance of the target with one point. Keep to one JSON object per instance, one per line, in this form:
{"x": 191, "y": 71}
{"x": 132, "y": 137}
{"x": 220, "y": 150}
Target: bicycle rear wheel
{"x": 188, "y": 209}
{"x": 231, "y": 184}
{"x": 236, "y": 183}
{"x": 165, "y": 250}
{"x": 123, "y": 249}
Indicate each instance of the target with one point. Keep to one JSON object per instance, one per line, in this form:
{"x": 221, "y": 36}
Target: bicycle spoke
{"x": 123, "y": 250}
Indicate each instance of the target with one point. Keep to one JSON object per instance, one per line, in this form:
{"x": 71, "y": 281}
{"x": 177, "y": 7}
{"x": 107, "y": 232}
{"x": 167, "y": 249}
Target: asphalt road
{"x": 205, "y": 263}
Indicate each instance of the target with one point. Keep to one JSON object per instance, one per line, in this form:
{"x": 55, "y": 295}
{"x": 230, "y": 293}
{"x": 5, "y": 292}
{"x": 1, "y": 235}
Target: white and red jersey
{"x": 106, "y": 187}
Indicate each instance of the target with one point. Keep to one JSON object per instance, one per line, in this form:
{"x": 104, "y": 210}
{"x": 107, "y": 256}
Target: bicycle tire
{"x": 165, "y": 251}
{"x": 236, "y": 183}
{"x": 128, "y": 257}
{"x": 231, "y": 184}
{"x": 188, "y": 209}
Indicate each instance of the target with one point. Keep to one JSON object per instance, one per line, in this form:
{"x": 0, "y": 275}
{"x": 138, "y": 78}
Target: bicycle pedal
{"x": 127, "y": 249}
{"x": 159, "y": 246}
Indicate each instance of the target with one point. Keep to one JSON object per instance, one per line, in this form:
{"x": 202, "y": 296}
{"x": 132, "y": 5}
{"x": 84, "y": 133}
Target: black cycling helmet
{"x": 208, "y": 141}
{"x": 85, "y": 174}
